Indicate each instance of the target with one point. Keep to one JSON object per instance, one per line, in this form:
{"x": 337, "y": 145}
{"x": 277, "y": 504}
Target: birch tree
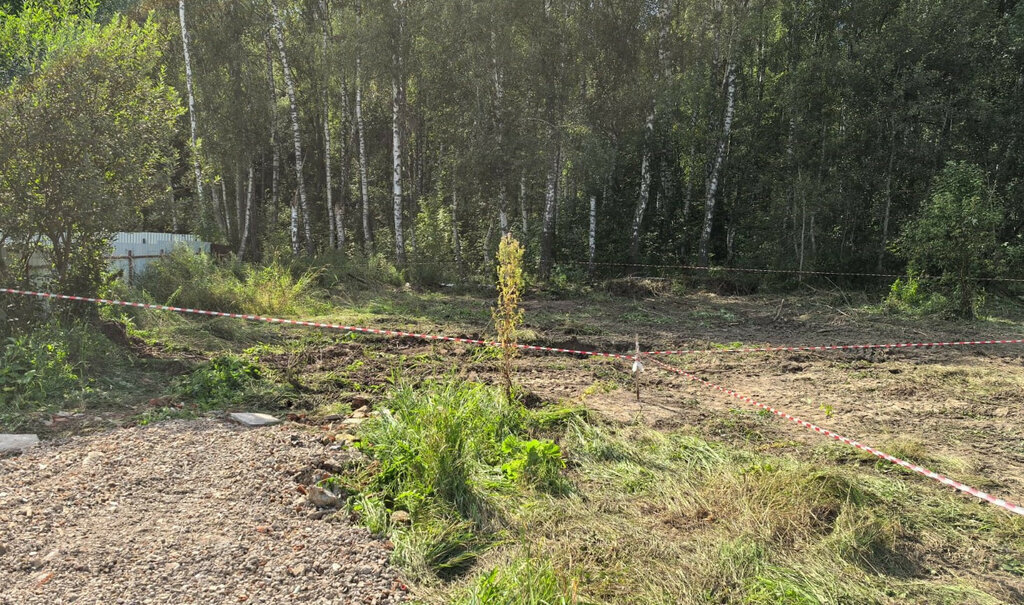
{"x": 196, "y": 163}
{"x": 296, "y": 134}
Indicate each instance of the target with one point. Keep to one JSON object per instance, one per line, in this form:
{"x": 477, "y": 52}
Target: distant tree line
{"x": 796, "y": 134}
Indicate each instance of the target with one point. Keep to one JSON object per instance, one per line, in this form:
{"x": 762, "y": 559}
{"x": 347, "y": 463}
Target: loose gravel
{"x": 181, "y": 512}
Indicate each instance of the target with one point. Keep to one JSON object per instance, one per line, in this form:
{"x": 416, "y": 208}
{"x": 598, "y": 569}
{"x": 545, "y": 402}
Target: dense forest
{"x": 796, "y": 134}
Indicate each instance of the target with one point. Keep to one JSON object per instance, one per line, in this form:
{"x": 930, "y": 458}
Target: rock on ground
{"x": 179, "y": 512}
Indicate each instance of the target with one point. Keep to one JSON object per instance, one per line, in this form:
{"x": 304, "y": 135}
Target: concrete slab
{"x": 254, "y": 420}
{"x": 16, "y": 443}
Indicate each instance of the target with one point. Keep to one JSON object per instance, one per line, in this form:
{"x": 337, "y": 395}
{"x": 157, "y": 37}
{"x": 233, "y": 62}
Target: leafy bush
{"x": 910, "y": 297}
{"x": 198, "y": 281}
{"x": 220, "y": 383}
{"x": 46, "y": 365}
{"x": 533, "y": 462}
{"x": 955, "y": 235}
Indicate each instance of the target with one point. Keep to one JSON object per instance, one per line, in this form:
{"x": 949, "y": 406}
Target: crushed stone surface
{"x": 181, "y": 512}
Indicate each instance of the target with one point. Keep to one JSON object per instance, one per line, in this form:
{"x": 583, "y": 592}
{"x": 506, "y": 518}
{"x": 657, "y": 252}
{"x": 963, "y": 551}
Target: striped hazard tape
{"x": 1013, "y": 508}
{"x": 311, "y": 324}
{"x": 899, "y": 345}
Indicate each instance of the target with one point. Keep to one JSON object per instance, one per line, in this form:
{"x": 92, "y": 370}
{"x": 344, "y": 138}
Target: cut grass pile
{"x": 641, "y": 516}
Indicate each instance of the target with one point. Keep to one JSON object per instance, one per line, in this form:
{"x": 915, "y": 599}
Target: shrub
{"x": 198, "y": 281}
{"x": 534, "y": 462}
{"x": 910, "y": 297}
{"x": 507, "y": 314}
{"x": 45, "y": 365}
{"x": 955, "y": 235}
{"x": 220, "y": 383}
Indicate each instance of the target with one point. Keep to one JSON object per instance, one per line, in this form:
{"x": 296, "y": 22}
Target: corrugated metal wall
{"x": 132, "y": 252}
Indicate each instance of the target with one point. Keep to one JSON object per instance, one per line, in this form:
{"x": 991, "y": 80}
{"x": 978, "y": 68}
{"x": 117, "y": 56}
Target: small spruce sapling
{"x": 507, "y": 314}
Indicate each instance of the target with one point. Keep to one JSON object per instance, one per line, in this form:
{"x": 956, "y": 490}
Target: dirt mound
{"x": 180, "y": 512}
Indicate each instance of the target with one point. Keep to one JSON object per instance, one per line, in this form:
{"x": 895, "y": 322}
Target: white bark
{"x": 396, "y": 136}
{"x": 238, "y": 201}
{"x": 716, "y": 167}
{"x": 522, "y": 201}
{"x": 396, "y": 171}
{"x": 346, "y": 139}
{"x": 548, "y": 226}
{"x": 456, "y": 241}
{"x": 296, "y": 130}
{"x": 363, "y": 185}
{"x": 329, "y": 184}
{"x": 295, "y": 222}
{"x": 645, "y": 190}
{"x": 592, "y": 248}
{"x": 275, "y": 175}
{"x": 248, "y": 215}
{"x": 196, "y": 164}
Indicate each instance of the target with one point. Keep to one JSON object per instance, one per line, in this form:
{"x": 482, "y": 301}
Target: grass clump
{"x": 454, "y": 457}
{"x": 198, "y": 281}
{"x": 526, "y": 580}
{"x": 224, "y": 381}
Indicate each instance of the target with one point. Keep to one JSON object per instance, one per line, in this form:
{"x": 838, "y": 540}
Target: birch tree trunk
{"x": 248, "y": 215}
{"x": 716, "y": 167}
{"x": 396, "y": 137}
{"x": 328, "y": 184}
{"x": 346, "y": 140}
{"x": 522, "y": 201}
{"x": 547, "y": 237}
{"x": 275, "y": 175}
{"x": 456, "y": 241}
{"x": 396, "y": 173}
{"x": 592, "y": 248}
{"x": 296, "y": 130}
{"x": 363, "y": 185}
{"x": 196, "y": 164}
{"x": 239, "y": 196}
{"x": 888, "y": 196}
{"x": 645, "y": 191}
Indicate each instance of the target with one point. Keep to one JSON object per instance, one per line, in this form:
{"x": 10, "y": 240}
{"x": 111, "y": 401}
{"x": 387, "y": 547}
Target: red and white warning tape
{"x": 900, "y": 345}
{"x": 312, "y": 324}
{"x": 1013, "y": 508}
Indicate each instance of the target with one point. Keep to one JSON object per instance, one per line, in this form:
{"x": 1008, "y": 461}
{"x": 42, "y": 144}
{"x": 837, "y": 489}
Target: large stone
{"x": 16, "y": 443}
{"x": 254, "y": 420}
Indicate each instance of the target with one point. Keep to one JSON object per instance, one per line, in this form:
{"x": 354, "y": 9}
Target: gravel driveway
{"x": 180, "y": 512}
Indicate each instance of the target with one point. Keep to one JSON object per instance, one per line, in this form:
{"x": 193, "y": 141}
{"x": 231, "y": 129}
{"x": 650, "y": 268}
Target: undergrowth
{"x": 185, "y": 279}
{"x": 642, "y": 516}
{"x": 45, "y": 365}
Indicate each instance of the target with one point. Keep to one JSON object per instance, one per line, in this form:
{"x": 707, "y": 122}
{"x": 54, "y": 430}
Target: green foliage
{"x": 33, "y": 369}
{"x": 955, "y": 235}
{"x": 47, "y": 365}
{"x": 183, "y": 278}
{"x": 447, "y": 453}
{"x": 222, "y": 382}
{"x": 507, "y": 314}
{"x": 528, "y": 580}
{"x": 908, "y": 297}
{"x": 86, "y": 123}
{"x": 534, "y": 462}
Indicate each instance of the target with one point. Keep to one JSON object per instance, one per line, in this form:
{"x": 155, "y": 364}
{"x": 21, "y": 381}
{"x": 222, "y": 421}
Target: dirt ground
{"x": 182, "y": 512}
{"x": 173, "y": 513}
